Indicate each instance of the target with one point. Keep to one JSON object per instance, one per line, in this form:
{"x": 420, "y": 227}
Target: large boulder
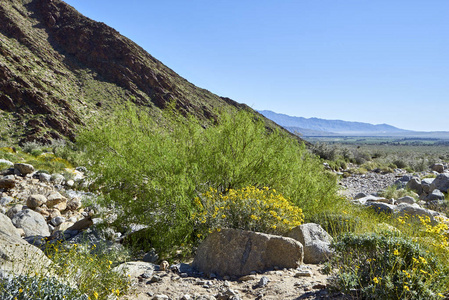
{"x": 36, "y": 200}
{"x": 438, "y": 167}
{"x": 233, "y": 252}
{"x": 56, "y": 200}
{"x": 435, "y": 195}
{"x": 7, "y": 182}
{"x": 406, "y": 199}
{"x": 426, "y": 183}
{"x": 31, "y": 222}
{"x": 7, "y": 227}
{"x": 17, "y": 257}
{"x": 315, "y": 240}
{"x": 24, "y": 169}
{"x": 441, "y": 183}
{"x": 415, "y": 210}
{"x": 414, "y": 184}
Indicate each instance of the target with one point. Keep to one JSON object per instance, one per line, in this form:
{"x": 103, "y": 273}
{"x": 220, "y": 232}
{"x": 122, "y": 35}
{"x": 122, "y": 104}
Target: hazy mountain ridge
{"x": 316, "y": 125}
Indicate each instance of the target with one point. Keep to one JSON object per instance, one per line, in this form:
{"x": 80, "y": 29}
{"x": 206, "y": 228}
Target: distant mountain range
{"x": 322, "y": 127}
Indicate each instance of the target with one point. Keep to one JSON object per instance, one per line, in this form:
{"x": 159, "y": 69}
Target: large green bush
{"x": 153, "y": 173}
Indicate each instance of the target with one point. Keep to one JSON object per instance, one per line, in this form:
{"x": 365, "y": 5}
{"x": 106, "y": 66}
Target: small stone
{"x": 155, "y": 278}
{"x": 6, "y": 200}
{"x": 263, "y": 281}
{"x": 160, "y": 297}
{"x": 304, "y": 273}
{"x": 74, "y": 204}
{"x": 319, "y": 286}
{"x": 44, "y": 177}
{"x": 70, "y": 183}
{"x": 57, "y": 220}
{"x": 186, "y": 297}
{"x": 147, "y": 274}
{"x": 247, "y": 278}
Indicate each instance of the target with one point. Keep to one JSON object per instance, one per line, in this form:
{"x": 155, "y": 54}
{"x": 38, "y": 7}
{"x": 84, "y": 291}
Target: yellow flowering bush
{"x": 385, "y": 266}
{"x": 249, "y": 208}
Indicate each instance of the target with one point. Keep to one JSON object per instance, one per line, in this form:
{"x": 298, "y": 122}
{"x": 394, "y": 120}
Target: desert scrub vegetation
{"x": 388, "y": 266}
{"x": 76, "y": 271}
{"x": 387, "y": 157}
{"x": 42, "y": 157}
{"x": 248, "y": 208}
{"x": 152, "y": 174}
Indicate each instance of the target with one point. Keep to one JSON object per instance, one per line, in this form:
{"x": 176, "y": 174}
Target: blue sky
{"x": 377, "y": 61}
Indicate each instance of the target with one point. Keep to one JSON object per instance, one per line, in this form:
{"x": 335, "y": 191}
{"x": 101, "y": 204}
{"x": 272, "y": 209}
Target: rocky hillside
{"x": 58, "y": 68}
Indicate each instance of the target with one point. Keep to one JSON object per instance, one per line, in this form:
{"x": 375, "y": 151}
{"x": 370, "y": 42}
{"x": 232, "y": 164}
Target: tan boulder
{"x": 36, "y": 200}
{"x": 55, "y": 198}
{"x": 233, "y": 252}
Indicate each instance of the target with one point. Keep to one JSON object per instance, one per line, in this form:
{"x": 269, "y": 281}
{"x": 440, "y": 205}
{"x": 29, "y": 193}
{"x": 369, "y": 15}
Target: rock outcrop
{"x": 233, "y": 252}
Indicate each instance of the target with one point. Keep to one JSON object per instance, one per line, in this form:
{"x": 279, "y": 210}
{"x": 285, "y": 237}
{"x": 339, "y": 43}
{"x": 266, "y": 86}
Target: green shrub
{"x": 249, "y": 208}
{"x": 387, "y": 266}
{"x": 335, "y": 223}
{"x": 37, "y": 288}
{"x": 152, "y": 173}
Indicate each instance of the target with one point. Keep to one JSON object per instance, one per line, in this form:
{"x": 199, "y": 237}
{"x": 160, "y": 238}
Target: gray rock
{"x": 151, "y": 256}
{"x": 31, "y": 222}
{"x": 6, "y": 200}
{"x": 6, "y": 162}
{"x": 24, "y": 169}
{"x": 36, "y": 200}
{"x": 44, "y": 177}
{"x": 414, "y": 184}
{"x": 441, "y": 183}
{"x": 7, "y": 183}
{"x": 435, "y": 195}
{"x": 426, "y": 183}
{"x": 57, "y": 220}
{"x": 14, "y": 210}
{"x": 233, "y": 252}
{"x": 369, "y": 199}
{"x": 438, "y": 167}
{"x": 7, "y": 227}
{"x": 57, "y": 178}
{"x": 315, "y": 240}
{"x": 263, "y": 281}
{"x": 360, "y": 195}
{"x": 17, "y": 257}
{"x": 134, "y": 268}
{"x": 160, "y": 297}
{"x": 406, "y": 199}
{"x": 415, "y": 210}
{"x": 381, "y": 207}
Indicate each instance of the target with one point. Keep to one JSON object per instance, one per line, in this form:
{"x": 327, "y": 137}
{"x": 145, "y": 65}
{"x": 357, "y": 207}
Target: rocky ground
{"x": 50, "y": 198}
{"x": 306, "y": 282}
{"x": 368, "y": 183}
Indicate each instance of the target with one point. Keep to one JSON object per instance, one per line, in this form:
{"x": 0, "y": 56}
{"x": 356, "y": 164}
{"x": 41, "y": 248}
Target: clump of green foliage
{"x": 25, "y": 287}
{"x": 388, "y": 266}
{"x": 153, "y": 173}
{"x": 249, "y": 208}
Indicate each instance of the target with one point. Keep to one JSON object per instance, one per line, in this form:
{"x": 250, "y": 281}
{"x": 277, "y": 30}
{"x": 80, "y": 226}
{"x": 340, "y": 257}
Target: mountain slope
{"x": 58, "y": 68}
{"x": 309, "y": 126}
